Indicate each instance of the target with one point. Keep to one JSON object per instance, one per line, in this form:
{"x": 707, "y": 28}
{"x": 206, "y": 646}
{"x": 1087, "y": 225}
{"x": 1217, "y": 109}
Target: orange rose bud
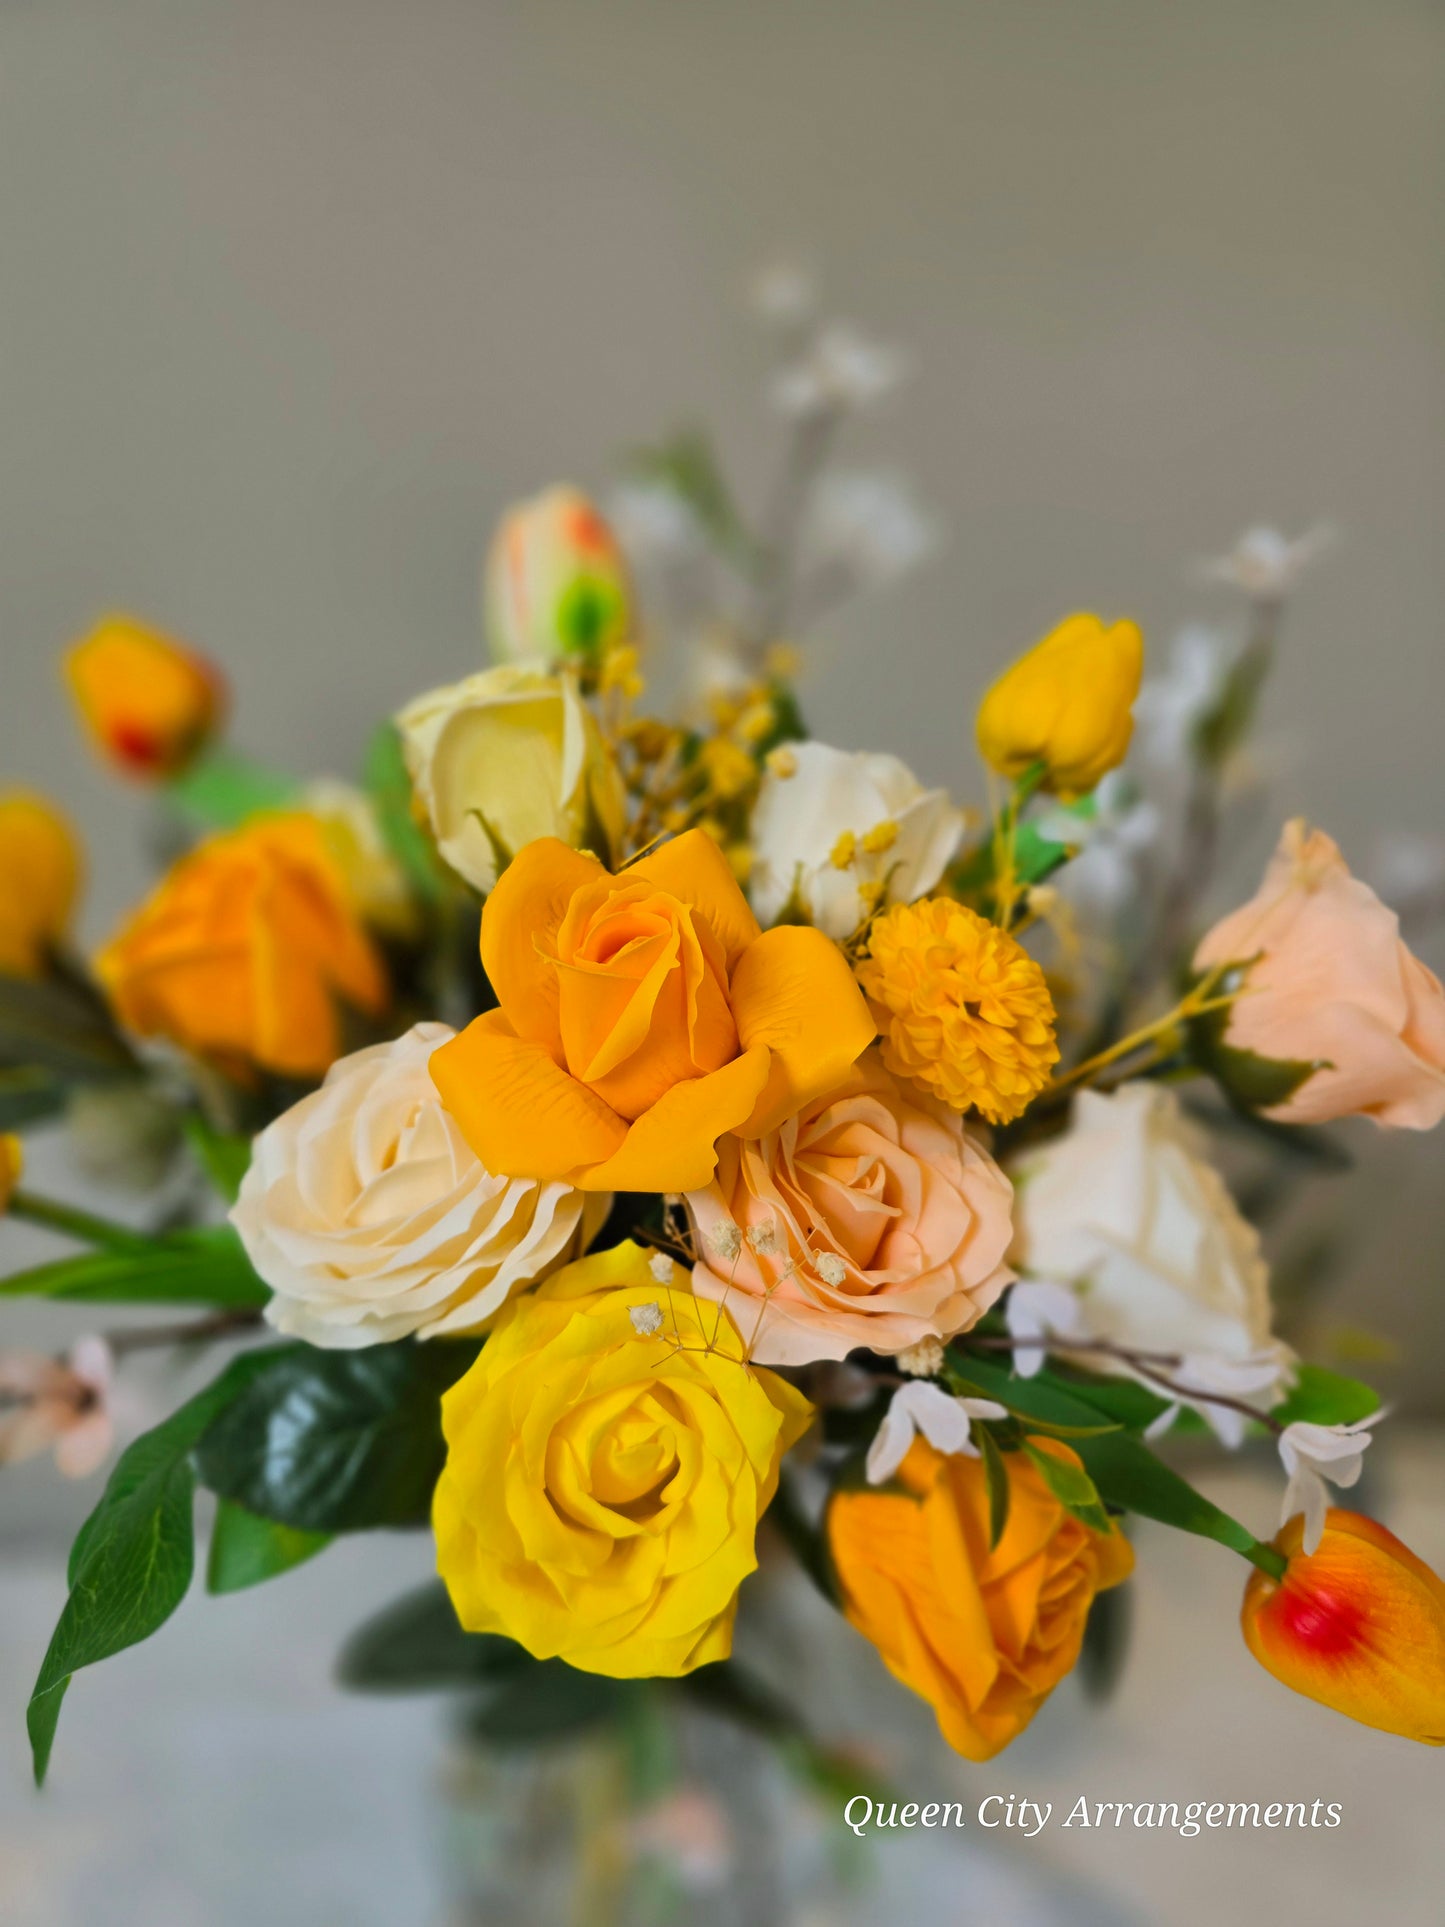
{"x": 40, "y": 868}
{"x": 148, "y": 703}
{"x": 1358, "y": 1625}
{"x": 245, "y": 951}
{"x": 983, "y": 1634}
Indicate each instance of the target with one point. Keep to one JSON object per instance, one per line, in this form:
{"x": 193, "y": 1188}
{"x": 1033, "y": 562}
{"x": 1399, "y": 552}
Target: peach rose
{"x": 880, "y": 1220}
{"x": 642, "y": 1016}
{"x": 1328, "y": 983}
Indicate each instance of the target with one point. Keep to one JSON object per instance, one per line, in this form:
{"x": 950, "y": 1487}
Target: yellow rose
{"x": 148, "y": 703}
{"x": 1067, "y": 704}
{"x": 604, "y": 1482}
{"x": 641, "y": 1016}
{"x": 505, "y": 757}
{"x": 983, "y": 1634}
{"x": 12, "y": 1166}
{"x": 556, "y": 582}
{"x": 244, "y": 951}
{"x": 39, "y": 880}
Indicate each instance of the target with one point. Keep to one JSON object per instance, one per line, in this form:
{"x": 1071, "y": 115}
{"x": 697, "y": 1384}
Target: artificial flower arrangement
{"x": 643, "y": 1140}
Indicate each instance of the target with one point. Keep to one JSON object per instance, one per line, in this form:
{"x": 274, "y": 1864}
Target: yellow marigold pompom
{"x": 609, "y": 1456}
{"x": 245, "y": 951}
{"x": 962, "y": 1009}
{"x": 40, "y": 869}
{"x": 1067, "y": 704}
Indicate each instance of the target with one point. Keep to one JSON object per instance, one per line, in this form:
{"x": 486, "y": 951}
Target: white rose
{"x": 1126, "y": 1211}
{"x": 842, "y": 819}
{"x": 370, "y": 1217}
{"x": 504, "y": 757}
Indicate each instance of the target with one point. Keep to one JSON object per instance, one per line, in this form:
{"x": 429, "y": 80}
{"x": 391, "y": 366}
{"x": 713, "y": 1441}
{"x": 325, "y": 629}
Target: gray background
{"x": 295, "y": 298}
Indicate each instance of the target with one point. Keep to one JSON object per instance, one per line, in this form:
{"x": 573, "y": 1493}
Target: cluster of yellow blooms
{"x": 609, "y": 1461}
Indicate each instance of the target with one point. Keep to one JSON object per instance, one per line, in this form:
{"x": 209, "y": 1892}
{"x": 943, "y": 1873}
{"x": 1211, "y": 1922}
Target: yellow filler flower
{"x": 39, "y": 878}
{"x": 1067, "y": 704}
{"x": 609, "y": 1456}
{"x": 961, "y": 1007}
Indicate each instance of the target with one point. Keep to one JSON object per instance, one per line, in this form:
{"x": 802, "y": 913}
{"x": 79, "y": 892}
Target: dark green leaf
{"x": 222, "y": 790}
{"x": 389, "y": 786}
{"x": 805, "y": 1540}
{"x": 1254, "y": 1083}
{"x": 337, "y": 1441}
{"x": 246, "y": 1550}
{"x": 132, "y": 1559}
{"x": 1327, "y": 1398}
{"x": 1106, "y": 1642}
{"x": 28, "y": 1095}
{"x": 60, "y": 1025}
{"x": 205, "y": 1267}
{"x": 416, "y": 1646}
{"x": 1071, "y": 1486}
{"x": 996, "y": 1474}
{"x": 550, "y": 1701}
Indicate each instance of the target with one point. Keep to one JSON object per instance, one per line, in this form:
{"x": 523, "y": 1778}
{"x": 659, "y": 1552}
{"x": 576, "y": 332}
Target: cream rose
{"x": 1126, "y": 1211}
{"x": 841, "y": 827}
{"x": 1328, "y": 982}
{"x": 871, "y": 1218}
{"x": 504, "y": 757}
{"x": 370, "y": 1218}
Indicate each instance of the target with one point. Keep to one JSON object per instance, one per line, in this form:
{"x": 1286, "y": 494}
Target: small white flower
{"x": 1036, "y": 1311}
{"x": 1266, "y": 564}
{"x": 831, "y": 1269}
{"x": 924, "y": 1408}
{"x": 661, "y": 1267}
{"x": 763, "y": 1238}
{"x": 1259, "y": 1379}
{"x": 646, "y": 1319}
{"x": 1314, "y": 1454}
{"x": 866, "y": 526}
{"x": 726, "y": 1240}
{"x": 783, "y": 294}
{"x": 842, "y": 370}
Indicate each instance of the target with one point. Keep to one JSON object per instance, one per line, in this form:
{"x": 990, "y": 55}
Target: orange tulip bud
{"x": 12, "y": 1164}
{"x": 148, "y": 703}
{"x": 40, "y": 868}
{"x": 1358, "y": 1625}
{"x": 556, "y": 583}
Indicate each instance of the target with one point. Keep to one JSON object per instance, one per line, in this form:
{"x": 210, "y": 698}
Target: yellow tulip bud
{"x": 556, "y": 583}
{"x": 12, "y": 1163}
{"x": 1066, "y": 704}
{"x": 39, "y": 877}
{"x": 148, "y": 703}
{"x": 1359, "y": 1625}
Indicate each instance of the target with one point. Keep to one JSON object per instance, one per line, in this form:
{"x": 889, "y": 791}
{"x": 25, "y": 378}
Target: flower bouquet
{"x": 632, "y": 1145}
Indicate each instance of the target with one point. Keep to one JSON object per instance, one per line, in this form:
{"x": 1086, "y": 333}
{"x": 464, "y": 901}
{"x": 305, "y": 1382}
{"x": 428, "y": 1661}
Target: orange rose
{"x": 883, "y": 1222}
{"x": 984, "y": 1636}
{"x": 642, "y": 1016}
{"x": 1359, "y": 1625}
{"x": 39, "y": 877}
{"x": 245, "y": 949}
{"x": 148, "y": 703}
{"x": 1329, "y": 985}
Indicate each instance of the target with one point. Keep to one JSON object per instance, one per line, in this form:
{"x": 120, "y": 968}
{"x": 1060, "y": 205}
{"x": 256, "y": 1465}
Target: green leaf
{"x": 1071, "y": 1486}
{"x": 551, "y": 1701}
{"x": 688, "y": 466}
{"x": 245, "y": 1550}
{"x": 416, "y": 1645}
{"x": 205, "y": 1267}
{"x": 388, "y": 783}
{"x": 1252, "y": 1082}
{"x": 28, "y": 1095}
{"x": 1106, "y": 1642}
{"x": 337, "y": 1441}
{"x": 132, "y": 1560}
{"x": 1125, "y": 1472}
{"x": 224, "y": 788}
{"x": 60, "y": 1025}
{"x": 224, "y": 1156}
{"x": 996, "y": 1475}
{"x": 1323, "y": 1397}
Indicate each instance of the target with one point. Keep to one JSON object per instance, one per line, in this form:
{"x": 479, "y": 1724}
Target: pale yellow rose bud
{"x": 556, "y": 583}
{"x": 1067, "y": 704}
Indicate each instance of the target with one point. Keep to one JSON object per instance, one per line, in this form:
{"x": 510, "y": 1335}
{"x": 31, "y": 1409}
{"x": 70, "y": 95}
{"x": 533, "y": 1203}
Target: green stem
{"x": 1268, "y": 1559}
{"x": 71, "y": 1223}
